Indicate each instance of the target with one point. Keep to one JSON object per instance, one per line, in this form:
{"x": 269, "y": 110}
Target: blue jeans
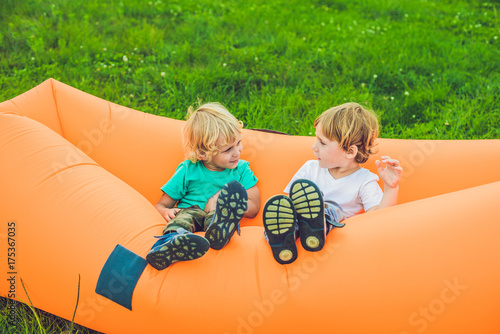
{"x": 333, "y": 215}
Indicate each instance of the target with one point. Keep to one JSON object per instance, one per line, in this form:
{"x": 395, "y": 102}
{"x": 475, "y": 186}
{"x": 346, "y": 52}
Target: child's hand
{"x": 391, "y": 174}
{"x": 169, "y": 213}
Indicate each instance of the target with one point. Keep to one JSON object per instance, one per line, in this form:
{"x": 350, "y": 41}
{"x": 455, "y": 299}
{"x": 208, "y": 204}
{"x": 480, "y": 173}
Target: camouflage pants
{"x": 192, "y": 219}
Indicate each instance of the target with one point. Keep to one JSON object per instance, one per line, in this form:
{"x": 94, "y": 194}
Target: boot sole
{"x": 184, "y": 247}
{"x": 309, "y": 205}
{"x": 279, "y": 222}
{"x": 231, "y": 206}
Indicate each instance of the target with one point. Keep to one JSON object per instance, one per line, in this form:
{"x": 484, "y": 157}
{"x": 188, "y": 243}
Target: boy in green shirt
{"x": 213, "y": 189}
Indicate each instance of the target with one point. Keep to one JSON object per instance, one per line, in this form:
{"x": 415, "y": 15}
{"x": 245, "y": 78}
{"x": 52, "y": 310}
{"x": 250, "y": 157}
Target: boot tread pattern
{"x": 308, "y": 202}
{"x": 231, "y": 206}
{"x": 184, "y": 247}
{"x": 280, "y": 222}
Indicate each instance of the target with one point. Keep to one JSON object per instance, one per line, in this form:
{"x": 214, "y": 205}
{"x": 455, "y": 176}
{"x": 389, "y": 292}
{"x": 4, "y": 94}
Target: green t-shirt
{"x": 193, "y": 184}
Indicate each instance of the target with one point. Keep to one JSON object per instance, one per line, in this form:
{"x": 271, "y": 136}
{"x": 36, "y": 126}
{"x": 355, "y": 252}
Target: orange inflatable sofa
{"x": 79, "y": 175}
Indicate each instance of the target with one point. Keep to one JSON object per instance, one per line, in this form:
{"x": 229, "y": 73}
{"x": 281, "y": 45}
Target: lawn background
{"x": 430, "y": 69}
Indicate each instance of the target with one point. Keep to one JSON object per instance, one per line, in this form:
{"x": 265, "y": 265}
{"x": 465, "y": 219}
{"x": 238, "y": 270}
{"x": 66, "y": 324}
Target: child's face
{"x": 228, "y": 155}
{"x": 329, "y": 153}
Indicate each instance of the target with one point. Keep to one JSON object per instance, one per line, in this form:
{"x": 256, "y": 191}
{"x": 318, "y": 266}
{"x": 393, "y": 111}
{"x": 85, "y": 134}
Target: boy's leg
{"x": 308, "y": 202}
{"x": 333, "y": 215}
{"x": 191, "y": 219}
{"x": 231, "y": 205}
{"x": 208, "y": 219}
{"x": 175, "y": 247}
{"x": 178, "y": 242}
{"x": 279, "y": 220}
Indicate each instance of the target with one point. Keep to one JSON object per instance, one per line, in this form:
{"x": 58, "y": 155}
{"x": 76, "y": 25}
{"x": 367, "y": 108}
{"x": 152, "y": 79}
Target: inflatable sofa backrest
{"x": 143, "y": 149}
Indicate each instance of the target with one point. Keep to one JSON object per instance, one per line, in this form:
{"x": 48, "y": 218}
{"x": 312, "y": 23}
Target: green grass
{"x": 429, "y": 68}
{"x": 21, "y": 318}
{"x": 17, "y": 317}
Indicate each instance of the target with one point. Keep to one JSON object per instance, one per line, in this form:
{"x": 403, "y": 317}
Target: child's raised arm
{"x": 391, "y": 175}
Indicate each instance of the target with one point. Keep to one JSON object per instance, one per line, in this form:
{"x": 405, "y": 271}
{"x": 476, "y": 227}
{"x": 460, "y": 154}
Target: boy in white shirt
{"x": 333, "y": 187}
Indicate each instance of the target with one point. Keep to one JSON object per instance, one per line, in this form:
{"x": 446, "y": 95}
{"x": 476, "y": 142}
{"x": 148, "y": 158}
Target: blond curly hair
{"x": 203, "y": 128}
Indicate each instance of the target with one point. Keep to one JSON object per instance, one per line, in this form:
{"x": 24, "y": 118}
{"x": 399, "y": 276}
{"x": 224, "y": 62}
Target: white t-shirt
{"x": 353, "y": 193}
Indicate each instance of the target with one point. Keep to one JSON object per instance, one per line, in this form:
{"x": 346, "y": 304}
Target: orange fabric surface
{"x": 79, "y": 175}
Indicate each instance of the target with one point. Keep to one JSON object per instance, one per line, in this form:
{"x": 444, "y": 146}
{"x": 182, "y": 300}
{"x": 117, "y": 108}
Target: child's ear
{"x": 202, "y": 156}
{"x": 352, "y": 152}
